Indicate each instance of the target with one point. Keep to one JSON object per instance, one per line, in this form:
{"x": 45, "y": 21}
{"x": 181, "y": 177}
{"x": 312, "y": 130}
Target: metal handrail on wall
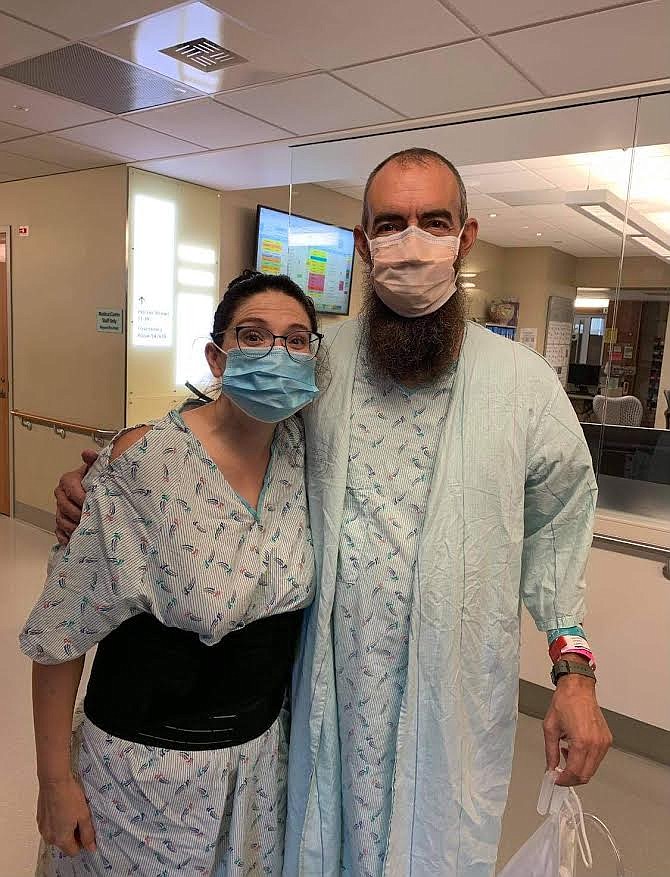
{"x": 62, "y": 427}
{"x": 635, "y": 549}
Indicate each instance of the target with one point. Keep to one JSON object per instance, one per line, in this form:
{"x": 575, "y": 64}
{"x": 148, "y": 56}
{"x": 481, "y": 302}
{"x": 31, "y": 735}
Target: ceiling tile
{"x": 266, "y": 57}
{"x": 555, "y": 161}
{"x": 479, "y": 201}
{"x": 490, "y": 17}
{"x": 248, "y": 167}
{"x": 207, "y": 123}
{"x": 310, "y": 104}
{"x": 349, "y": 32}
{"x": 567, "y": 178}
{"x": 75, "y": 20}
{"x": 19, "y": 40}
{"x": 497, "y": 167}
{"x": 442, "y": 80}
{"x": 130, "y": 141}
{"x": 45, "y": 112}
{"x": 17, "y": 167}
{"x": 94, "y": 78}
{"x": 46, "y": 147}
{"x": 617, "y": 47}
{"x": 520, "y": 180}
{"x": 11, "y": 132}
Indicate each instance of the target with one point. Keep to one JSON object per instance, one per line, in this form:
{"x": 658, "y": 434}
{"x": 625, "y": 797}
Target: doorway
{"x": 4, "y": 371}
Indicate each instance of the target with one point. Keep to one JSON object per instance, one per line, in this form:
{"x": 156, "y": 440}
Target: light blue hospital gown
{"x": 163, "y": 532}
{"x": 394, "y": 438}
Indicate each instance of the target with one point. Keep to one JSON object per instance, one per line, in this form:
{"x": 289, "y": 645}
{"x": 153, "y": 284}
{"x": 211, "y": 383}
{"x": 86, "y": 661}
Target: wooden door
{"x": 4, "y": 376}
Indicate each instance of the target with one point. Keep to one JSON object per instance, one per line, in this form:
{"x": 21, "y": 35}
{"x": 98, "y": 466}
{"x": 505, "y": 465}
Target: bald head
{"x": 417, "y": 158}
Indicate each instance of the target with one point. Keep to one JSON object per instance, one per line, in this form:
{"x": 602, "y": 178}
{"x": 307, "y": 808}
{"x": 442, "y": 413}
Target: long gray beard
{"x": 415, "y": 350}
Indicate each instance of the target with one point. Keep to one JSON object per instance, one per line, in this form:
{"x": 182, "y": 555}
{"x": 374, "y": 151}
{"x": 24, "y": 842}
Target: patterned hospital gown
{"x": 163, "y": 532}
{"x": 394, "y": 436}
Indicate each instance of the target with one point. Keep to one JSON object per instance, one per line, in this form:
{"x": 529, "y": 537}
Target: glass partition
{"x": 549, "y": 190}
{"x": 630, "y": 420}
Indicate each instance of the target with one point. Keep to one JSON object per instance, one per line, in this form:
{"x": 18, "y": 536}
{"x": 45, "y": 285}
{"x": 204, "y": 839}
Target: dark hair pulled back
{"x": 251, "y": 283}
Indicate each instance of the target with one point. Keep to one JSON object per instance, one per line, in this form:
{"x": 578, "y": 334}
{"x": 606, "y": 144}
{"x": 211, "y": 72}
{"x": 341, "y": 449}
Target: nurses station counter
{"x": 628, "y": 600}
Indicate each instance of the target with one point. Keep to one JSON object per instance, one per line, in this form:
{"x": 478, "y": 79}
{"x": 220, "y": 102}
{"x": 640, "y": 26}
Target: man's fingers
{"x": 87, "y": 833}
{"x": 89, "y": 456}
{"x": 552, "y": 739}
{"x": 573, "y": 774}
{"x": 71, "y": 485}
{"x": 597, "y": 750}
{"x": 68, "y": 513}
{"x": 69, "y": 846}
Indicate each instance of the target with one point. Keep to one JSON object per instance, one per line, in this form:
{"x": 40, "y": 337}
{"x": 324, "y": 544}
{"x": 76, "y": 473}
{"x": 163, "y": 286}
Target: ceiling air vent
{"x": 204, "y": 55}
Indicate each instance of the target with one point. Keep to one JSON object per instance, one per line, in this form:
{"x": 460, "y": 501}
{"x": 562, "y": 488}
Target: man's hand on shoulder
{"x": 70, "y": 496}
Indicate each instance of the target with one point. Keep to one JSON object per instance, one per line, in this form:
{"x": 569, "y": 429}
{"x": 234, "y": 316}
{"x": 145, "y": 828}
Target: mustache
{"x": 411, "y": 349}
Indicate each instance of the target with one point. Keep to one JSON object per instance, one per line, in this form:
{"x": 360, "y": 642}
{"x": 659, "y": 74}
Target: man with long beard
{"x": 448, "y": 481}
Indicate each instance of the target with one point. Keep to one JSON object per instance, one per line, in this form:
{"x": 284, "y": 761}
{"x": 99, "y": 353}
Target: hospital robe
{"x": 508, "y": 521}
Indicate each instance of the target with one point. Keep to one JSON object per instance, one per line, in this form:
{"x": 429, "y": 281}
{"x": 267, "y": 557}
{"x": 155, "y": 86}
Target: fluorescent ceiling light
{"x": 654, "y": 246}
{"x": 468, "y": 274}
{"x": 604, "y": 217}
{"x": 591, "y": 304}
{"x": 469, "y": 285}
{"x": 609, "y": 211}
{"x": 588, "y": 289}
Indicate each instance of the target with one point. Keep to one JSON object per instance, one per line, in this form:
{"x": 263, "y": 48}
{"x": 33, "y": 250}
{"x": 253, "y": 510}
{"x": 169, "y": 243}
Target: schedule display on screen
{"x": 317, "y": 256}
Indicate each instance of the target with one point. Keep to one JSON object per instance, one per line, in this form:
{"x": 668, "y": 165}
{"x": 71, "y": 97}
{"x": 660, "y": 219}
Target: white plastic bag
{"x": 552, "y": 850}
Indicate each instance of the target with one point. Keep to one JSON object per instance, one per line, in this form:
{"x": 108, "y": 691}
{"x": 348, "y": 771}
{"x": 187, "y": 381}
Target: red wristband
{"x": 571, "y": 645}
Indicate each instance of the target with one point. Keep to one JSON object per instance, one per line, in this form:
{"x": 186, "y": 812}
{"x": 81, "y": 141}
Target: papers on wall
{"x": 528, "y": 337}
{"x": 560, "y": 322}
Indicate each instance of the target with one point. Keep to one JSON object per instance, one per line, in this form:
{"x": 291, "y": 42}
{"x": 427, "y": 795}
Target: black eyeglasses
{"x": 256, "y": 342}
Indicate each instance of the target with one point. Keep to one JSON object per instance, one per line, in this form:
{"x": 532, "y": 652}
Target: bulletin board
{"x": 560, "y": 323}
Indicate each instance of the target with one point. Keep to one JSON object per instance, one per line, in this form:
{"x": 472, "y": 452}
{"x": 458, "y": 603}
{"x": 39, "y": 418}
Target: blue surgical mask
{"x": 271, "y": 387}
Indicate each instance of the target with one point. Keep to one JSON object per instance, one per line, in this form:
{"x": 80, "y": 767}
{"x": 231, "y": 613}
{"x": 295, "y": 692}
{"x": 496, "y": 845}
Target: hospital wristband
{"x": 571, "y": 645}
{"x": 577, "y": 630}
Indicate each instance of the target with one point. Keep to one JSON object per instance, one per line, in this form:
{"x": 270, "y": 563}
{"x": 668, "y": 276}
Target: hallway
{"x": 630, "y": 794}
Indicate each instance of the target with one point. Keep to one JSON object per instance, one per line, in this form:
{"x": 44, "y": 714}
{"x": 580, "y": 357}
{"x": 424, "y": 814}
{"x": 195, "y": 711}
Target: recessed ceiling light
{"x": 492, "y": 215}
{"x": 538, "y": 234}
{"x": 524, "y": 227}
{"x": 20, "y": 109}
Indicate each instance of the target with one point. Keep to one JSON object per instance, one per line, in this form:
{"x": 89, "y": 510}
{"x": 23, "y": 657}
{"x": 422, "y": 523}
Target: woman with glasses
{"x": 189, "y": 568}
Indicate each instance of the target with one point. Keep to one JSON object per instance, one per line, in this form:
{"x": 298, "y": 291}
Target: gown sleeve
{"x": 559, "y": 510}
{"x": 97, "y": 582}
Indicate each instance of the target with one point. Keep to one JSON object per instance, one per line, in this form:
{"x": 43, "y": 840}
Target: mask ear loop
{"x": 460, "y": 235}
{"x": 220, "y": 349}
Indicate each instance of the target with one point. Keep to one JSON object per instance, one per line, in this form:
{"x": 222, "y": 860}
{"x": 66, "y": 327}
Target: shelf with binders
{"x": 500, "y": 329}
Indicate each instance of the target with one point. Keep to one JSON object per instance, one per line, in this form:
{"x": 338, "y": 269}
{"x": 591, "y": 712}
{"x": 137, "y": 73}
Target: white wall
{"x": 627, "y": 626}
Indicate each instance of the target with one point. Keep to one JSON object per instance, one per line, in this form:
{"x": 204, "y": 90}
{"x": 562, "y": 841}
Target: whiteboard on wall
{"x": 558, "y": 338}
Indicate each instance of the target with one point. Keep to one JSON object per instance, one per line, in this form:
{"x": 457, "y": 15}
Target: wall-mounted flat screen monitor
{"x": 316, "y": 255}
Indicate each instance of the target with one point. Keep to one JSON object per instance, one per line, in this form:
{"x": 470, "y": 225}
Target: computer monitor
{"x": 582, "y": 375}
{"x": 318, "y": 256}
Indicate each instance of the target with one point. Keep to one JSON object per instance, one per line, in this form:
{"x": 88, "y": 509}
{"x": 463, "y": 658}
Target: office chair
{"x": 621, "y": 411}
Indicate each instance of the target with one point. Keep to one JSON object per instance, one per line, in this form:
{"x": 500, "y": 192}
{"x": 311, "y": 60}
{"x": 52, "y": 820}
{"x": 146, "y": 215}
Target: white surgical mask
{"x": 413, "y": 270}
